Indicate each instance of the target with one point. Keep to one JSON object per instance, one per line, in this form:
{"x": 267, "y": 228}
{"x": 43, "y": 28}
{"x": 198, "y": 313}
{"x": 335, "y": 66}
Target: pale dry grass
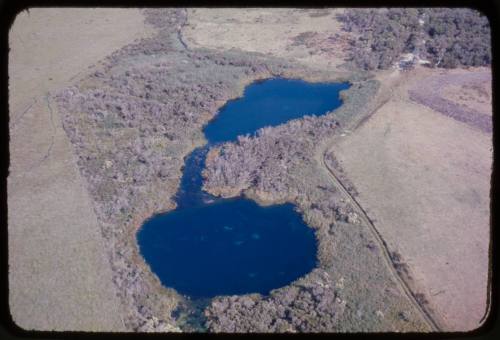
{"x": 59, "y": 274}
{"x": 473, "y": 96}
{"x": 269, "y": 31}
{"x": 424, "y": 179}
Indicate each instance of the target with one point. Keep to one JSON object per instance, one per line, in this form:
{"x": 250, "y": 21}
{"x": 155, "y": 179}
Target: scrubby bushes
{"x": 265, "y": 161}
{"x": 457, "y": 37}
{"x": 383, "y": 35}
{"x": 309, "y": 305}
{"x": 446, "y": 37}
{"x": 274, "y": 161}
{"x": 283, "y": 163}
{"x": 131, "y": 123}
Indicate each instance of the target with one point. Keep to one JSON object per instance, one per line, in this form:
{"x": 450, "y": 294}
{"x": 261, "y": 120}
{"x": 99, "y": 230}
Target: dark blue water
{"x": 210, "y": 246}
{"x": 270, "y": 103}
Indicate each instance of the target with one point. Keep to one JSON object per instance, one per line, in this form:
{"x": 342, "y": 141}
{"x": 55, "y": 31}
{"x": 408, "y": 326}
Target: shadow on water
{"x": 189, "y": 193}
{"x": 209, "y": 246}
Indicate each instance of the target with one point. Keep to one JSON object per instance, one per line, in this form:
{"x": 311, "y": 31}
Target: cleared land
{"x": 459, "y": 105}
{"x": 59, "y": 272}
{"x": 434, "y": 175}
{"x": 312, "y": 37}
{"x": 474, "y": 95}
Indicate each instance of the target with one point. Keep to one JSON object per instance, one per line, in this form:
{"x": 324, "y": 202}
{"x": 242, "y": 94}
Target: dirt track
{"x": 433, "y": 173}
{"x": 59, "y": 275}
{"x": 57, "y": 282}
{"x": 391, "y": 80}
{"x": 381, "y": 243}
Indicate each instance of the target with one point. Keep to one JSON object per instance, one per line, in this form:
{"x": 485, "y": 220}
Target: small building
{"x": 407, "y": 62}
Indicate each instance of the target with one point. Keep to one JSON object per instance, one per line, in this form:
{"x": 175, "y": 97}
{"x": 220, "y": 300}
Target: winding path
{"x": 383, "y": 246}
{"x": 380, "y": 101}
{"x": 386, "y": 92}
{"x": 179, "y": 30}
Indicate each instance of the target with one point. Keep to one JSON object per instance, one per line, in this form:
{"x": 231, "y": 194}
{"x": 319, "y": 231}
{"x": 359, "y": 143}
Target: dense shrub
{"x": 131, "y": 122}
{"x": 446, "y": 37}
{"x": 457, "y": 37}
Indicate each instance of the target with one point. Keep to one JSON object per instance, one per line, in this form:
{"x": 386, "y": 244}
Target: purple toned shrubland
{"x": 131, "y": 122}
{"x": 284, "y": 163}
{"x": 308, "y": 305}
{"x": 134, "y": 119}
{"x": 431, "y": 95}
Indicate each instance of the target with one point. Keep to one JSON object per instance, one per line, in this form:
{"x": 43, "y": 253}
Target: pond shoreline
{"x": 233, "y": 120}
{"x": 115, "y": 147}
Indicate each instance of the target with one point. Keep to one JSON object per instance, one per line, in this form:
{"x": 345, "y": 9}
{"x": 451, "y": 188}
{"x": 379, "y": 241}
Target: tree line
{"x": 446, "y": 37}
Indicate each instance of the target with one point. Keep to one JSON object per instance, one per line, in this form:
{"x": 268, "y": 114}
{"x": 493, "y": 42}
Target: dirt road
{"x": 382, "y": 245}
{"x": 59, "y": 274}
{"x": 423, "y": 177}
{"x": 390, "y": 81}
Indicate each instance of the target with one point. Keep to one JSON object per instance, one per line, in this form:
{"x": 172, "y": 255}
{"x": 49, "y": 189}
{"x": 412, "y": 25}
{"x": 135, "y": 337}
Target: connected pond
{"x": 210, "y": 246}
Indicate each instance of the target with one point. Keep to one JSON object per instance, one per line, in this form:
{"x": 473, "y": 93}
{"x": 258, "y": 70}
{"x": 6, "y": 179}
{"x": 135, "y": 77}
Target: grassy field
{"x": 59, "y": 272}
{"x": 98, "y": 137}
{"x": 306, "y": 36}
{"x": 433, "y": 173}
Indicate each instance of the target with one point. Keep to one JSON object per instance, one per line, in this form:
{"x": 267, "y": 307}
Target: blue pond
{"x": 210, "y": 246}
{"x": 270, "y": 103}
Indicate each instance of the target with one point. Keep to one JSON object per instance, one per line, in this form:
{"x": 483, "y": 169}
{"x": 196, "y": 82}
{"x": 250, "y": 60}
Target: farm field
{"x": 312, "y": 37}
{"x": 59, "y": 275}
{"x": 434, "y": 174}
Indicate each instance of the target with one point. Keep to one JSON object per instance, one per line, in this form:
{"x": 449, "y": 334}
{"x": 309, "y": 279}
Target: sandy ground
{"x": 269, "y": 31}
{"x": 59, "y": 274}
{"x": 433, "y": 174}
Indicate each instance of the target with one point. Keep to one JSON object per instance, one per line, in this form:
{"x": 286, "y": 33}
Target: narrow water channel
{"x": 210, "y": 246}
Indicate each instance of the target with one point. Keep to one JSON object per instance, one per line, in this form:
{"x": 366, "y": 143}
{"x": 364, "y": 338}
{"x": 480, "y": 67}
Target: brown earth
{"x": 433, "y": 174}
{"x": 59, "y": 274}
